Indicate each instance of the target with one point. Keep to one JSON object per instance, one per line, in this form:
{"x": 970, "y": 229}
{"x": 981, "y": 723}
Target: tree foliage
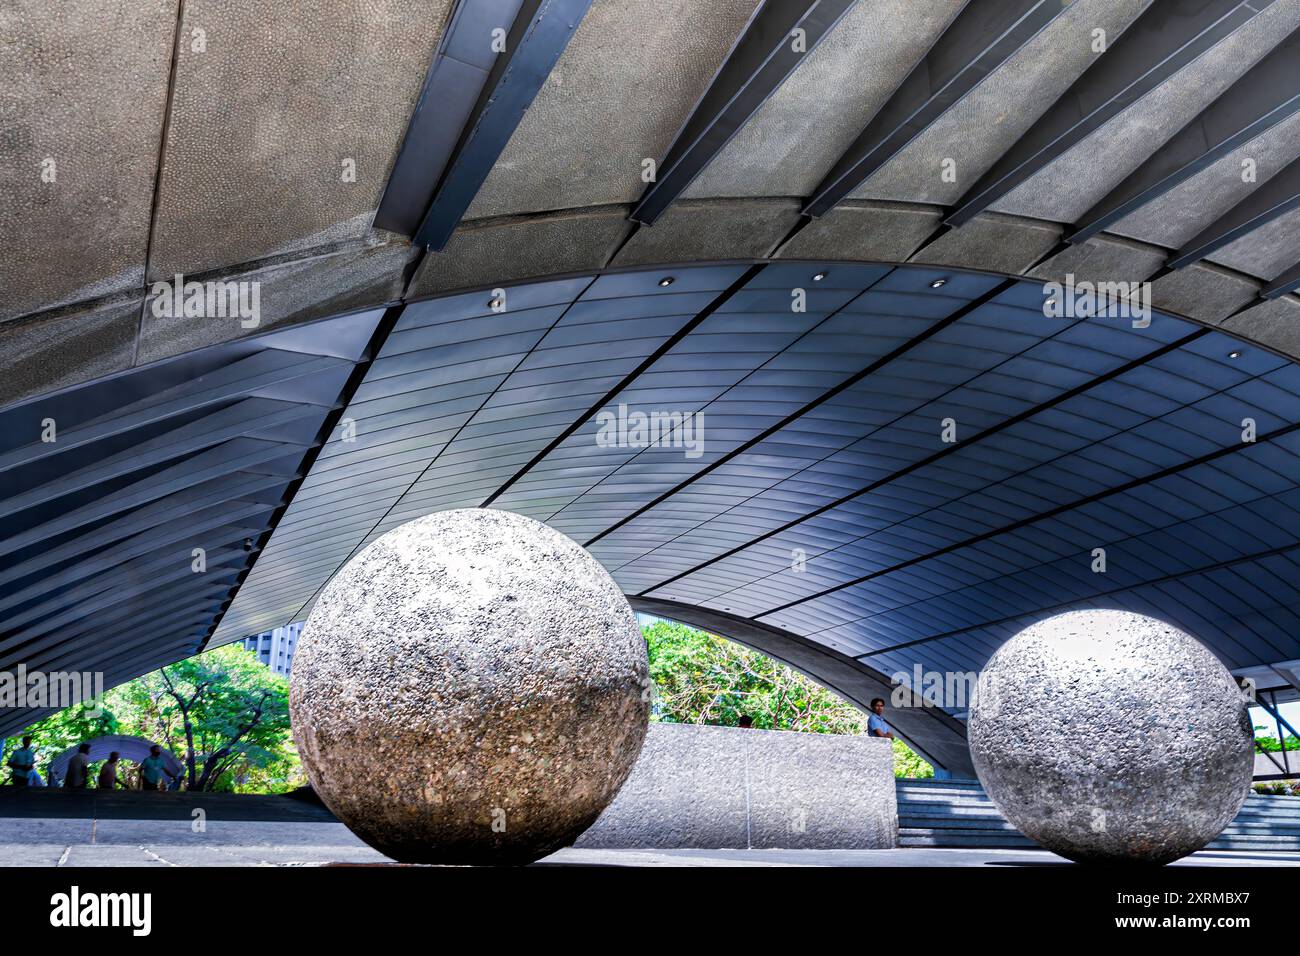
{"x": 1270, "y": 744}
{"x": 227, "y": 710}
{"x": 222, "y": 713}
{"x": 703, "y": 679}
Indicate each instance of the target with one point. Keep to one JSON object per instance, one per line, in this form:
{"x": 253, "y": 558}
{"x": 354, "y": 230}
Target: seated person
{"x": 876, "y": 726}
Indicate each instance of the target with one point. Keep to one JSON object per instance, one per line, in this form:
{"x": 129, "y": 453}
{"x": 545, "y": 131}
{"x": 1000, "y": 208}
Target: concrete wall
{"x": 1263, "y": 765}
{"x": 725, "y": 787}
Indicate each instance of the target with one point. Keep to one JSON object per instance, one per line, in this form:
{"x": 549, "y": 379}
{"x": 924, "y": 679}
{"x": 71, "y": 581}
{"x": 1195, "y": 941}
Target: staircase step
{"x": 1255, "y": 843}
{"x": 948, "y": 826}
{"x": 911, "y": 837}
{"x": 1257, "y": 835}
{"x": 947, "y": 813}
{"x": 1270, "y": 813}
{"x": 935, "y": 808}
{"x": 930, "y": 796}
{"x": 1239, "y": 825}
{"x": 938, "y": 785}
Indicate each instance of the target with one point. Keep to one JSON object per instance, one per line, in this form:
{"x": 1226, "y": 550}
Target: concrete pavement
{"x": 127, "y": 828}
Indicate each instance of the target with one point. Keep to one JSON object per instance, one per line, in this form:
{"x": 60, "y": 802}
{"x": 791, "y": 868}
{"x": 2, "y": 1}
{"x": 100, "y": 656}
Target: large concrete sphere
{"x": 470, "y": 688}
{"x": 1108, "y": 736}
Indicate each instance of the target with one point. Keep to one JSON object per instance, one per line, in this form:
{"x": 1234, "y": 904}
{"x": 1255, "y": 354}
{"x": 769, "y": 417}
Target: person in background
{"x": 108, "y": 778}
{"x": 152, "y": 769}
{"x": 79, "y": 769}
{"x": 745, "y": 721}
{"x": 876, "y": 725}
{"x": 22, "y": 763}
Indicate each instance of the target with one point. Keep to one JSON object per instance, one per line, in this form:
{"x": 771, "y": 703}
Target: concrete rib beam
{"x": 1067, "y": 188}
{"x": 284, "y": 124}
{"x": 628, "y": 78}
{"x": 84, "y": 90}
{"x": 981, "y": 127}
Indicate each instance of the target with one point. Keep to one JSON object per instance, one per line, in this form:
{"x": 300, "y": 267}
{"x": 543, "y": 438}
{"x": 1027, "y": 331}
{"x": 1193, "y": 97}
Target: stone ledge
{"x": 724, "y": 787}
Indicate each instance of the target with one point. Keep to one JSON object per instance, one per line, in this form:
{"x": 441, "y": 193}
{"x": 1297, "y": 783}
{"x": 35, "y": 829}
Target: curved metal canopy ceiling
{"x": 825, "y": 517}
{"x": 824, "y": 438}
{"x": 133, "y": 507}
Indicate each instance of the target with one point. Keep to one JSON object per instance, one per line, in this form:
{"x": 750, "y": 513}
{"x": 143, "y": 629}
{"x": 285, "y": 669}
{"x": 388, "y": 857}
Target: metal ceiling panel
{"x": 132, "y": 506}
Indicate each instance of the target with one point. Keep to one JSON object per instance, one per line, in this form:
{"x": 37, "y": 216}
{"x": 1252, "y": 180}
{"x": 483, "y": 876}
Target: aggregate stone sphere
{"x": 1108, "y": 736}
{"x": 469, "y": 689}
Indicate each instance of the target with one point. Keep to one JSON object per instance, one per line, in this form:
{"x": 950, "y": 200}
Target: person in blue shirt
{"x": 152, "y": 769}
{"x": 22, "y": 763}
{"x": 876, "y": 726}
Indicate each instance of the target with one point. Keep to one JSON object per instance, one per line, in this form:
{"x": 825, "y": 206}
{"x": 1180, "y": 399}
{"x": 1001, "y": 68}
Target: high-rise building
{"x": 275, "y": 648}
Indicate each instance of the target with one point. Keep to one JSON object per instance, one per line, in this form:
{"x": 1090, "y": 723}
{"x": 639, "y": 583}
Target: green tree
{"x": 224, "y": 715}
{"x": 222, "y": 710}
{"x": 908, "y": 763}
{"x": 1270, "y": 743}
{"x": 703, "y": 679}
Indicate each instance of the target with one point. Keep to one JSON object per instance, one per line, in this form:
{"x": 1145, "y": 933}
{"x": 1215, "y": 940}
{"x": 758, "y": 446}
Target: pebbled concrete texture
{"x": 994, "y": 242}
{"x": 1068, "y": 187}
{"x": 470, "y": 688}
{"x": 869, "y": 231}
{"x": 728, "y": 787}
{"x": 979, "y": 128}
{"x": 735, "y": 229}
{"x": 1108, "y": 736}
{"x": 818, "y": 791}
{"x": 687, "y": 788}
{"x": 1203, "y": 292}
{"x": 82, "y": 83}
{"x": 267, "y": 106}
{"x": 1178, "y": 215}
{"x": 53, "y": 351}
{"x": 290, "y": 292}
{"x": 794, "y": 138}
{"x": 1275, "y": 324}
{"x": 617, "y": 96}
{"x": 484, "y": 254}
{"x": 264, "y": 116}
{"x": 1267, "y": 252}
{"x": 1102, "y": 259}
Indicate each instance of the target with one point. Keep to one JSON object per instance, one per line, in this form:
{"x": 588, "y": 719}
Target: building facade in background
{"x": 275, "y": 648}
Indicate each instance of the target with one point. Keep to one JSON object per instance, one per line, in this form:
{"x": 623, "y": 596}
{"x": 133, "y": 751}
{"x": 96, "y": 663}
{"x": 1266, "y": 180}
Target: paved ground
{"x": 911, "y": 856}
{"x": 56, "y": 828}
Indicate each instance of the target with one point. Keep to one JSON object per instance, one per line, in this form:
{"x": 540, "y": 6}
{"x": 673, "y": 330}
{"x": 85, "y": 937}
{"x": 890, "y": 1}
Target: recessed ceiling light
{"x": 938, "y": 283}
{"x": 1234, "y": 355}
{"x": 819, "y": 277}
{"x": 665, "y": 282}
